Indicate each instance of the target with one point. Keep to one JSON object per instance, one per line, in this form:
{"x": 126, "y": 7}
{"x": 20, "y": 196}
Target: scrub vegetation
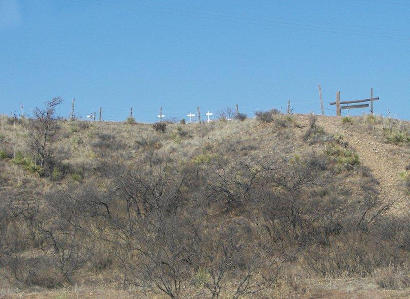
{"x": 266, "y": 207}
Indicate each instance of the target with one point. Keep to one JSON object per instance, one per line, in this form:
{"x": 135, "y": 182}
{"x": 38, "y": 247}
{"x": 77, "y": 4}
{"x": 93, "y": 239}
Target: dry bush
{"x": 241, "y": 116}
{"x": 350, "y": 254}
{"x": 105, "y": 144}
{"x": 130, "y": 121}
{"x": 218, "y": 213}
{"x": 227, "y": 114}
{"x": 43, "y": 133}
{"x": 267, "y": 116}
{"x": 160, "y": 127}
{"x": 36, "y": 271}
{"x": 393, "y": 278}
{"x": 315, "y": 134}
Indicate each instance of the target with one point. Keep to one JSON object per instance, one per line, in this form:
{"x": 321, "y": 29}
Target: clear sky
{"x": 181, "y": 54}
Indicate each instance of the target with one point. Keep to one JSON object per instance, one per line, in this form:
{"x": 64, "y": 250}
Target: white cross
{"x": 160, "y": 116}
{"x": 209, "y": 114}
{"x": 190, "y": 115}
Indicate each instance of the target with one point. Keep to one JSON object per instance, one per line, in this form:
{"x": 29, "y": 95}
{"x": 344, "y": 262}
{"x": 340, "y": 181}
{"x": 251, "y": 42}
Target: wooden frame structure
{"x": 346, "y": 104}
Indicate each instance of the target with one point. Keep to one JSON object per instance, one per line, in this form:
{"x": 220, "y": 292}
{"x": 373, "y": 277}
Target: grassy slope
{"x": 79, "y": 147}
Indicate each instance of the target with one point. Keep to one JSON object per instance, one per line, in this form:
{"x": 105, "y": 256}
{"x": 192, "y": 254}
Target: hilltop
{"x": 280, "y": 205}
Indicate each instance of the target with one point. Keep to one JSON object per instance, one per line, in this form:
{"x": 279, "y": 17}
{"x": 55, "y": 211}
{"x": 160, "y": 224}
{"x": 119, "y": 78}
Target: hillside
{"x": 276, "y": 206}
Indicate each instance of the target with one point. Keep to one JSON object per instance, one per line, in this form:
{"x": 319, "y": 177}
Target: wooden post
{"x": 199, "y": 114}
{"x": 237, "y": 109}
{"x": 371, "y": 101}
{"x": 338, "y": 109}
{"x": 15, "y": 138}
{"x": 321, "y": 100}
{"x": 72, "y": 110}
{"x": 100, "y": 116}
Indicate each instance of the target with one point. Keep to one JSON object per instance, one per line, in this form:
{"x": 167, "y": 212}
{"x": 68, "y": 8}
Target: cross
{"x": 209, "y": 114}
{"x": 160, "y": 115}
{"x": 190, "y": 115}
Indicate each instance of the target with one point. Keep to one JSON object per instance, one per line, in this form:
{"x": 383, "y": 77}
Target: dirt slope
{"x": 386, "y": 161}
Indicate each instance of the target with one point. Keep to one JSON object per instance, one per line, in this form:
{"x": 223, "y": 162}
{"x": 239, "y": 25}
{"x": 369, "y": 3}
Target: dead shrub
{"x": 267, "y": 116}
{"x": 315, "y": 134}
{"x": 392, "y": 278}
{"x": 106, "y": 144}
{"x": 241, "y": 116}
{"x": 160, "y": 127}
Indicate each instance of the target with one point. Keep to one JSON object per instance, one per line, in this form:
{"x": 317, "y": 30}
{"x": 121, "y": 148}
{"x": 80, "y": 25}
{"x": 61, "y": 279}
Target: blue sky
{"x": 181, "y": 54}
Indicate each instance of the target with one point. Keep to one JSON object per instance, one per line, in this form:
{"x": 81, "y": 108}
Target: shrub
{"x": 371, "y": 119}
{"x": 203, "y": 158}
{"x": 315, "y": 133}
{"x": 267, "y": 116}
{"x": 57, "y": 174}
{"x": 27, "y": 163}
{"x": 226, "y": 114}
{"x": 4, "y": 155}
{"x": 160, "y": 127}
{"x": 130, "y": 120}
{"x": 241, "y": 116}
{"x": 78, "y": 177}
{"x": 347, "y": 120}
{"x": 397, "y": 137}
{"x": 405, "y": 175}
{"x": 105, "y": 143}
{"x": 392, "y": 278}
{"x": 343, "y": 156}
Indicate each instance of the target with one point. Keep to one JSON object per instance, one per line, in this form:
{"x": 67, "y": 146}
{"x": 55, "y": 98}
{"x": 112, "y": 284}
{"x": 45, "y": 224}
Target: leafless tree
{"x": 43, "y": 129}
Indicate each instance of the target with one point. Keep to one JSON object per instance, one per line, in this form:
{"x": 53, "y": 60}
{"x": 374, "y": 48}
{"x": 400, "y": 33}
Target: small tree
{"x": 43, "y": 129}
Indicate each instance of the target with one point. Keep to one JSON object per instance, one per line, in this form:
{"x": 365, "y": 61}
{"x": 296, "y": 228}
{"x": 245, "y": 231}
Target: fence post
{"x": 371, "y": 100}
{"x": 338, "y": 108}
{"x": 321, "y": 101}
{"x": 199, "y": 114}
{"x": 72, "y": 116}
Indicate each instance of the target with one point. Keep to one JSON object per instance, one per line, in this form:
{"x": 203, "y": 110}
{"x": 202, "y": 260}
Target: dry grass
{"x": 332, "y": 251}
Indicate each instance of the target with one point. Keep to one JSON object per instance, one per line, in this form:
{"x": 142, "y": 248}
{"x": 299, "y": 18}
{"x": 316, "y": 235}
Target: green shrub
{"x": 342, "y": 156}
{"x": 347, "y": 120}
{"x": 57, "y": 174}
{"x": 27, "y": 163}
{"x": 130, "y": 120}
{"x": 371, "y": 119}
{"x": 396, "y": 137}
{"x": 74, "y": 129}
{"x": 77, "y": 140}
{"x": 203, "y": 158}
{"x": 78, "y": 177}
{"x": 4, "y": 155}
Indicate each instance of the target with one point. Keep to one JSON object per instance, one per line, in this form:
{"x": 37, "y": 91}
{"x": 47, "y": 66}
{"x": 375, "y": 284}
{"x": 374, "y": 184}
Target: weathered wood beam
{"x": 355, "y": 106}
{"x": 356, "y": 101}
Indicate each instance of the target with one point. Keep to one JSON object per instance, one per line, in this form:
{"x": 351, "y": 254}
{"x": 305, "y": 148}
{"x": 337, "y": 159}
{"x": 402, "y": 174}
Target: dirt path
{"x": 386, "y": 161}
